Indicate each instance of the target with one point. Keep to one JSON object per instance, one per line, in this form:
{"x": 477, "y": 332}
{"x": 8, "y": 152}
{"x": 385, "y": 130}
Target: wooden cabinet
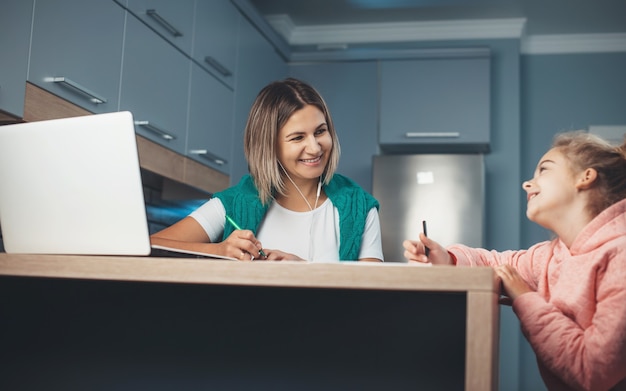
{"x": 154, "y": 87}
{"x": 215, "y": 38}
{"x": 172, "y": 20}
{"x": 15, "y": 27}
{"x": 435, "y": 104}
{"x": 209, "y": 134}
{"x": 76, "y": 51}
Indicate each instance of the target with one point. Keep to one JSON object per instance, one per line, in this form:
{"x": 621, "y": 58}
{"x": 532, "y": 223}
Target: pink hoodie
{"x": 576, "y": 319}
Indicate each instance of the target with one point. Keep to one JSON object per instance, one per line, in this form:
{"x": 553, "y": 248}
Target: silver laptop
{"x": 72, "y": 186}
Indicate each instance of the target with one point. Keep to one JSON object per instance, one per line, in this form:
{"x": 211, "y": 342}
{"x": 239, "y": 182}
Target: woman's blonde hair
{"x": 271, "y": 109}
{"x": 584, "y": 150}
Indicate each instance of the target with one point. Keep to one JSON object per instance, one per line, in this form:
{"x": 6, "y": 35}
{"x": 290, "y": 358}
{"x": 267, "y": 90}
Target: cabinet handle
{"x": 164, "y": 23}
{"x": 209, "y": 156}
{"x": 155, "y": 129}
{"x": 432, "y": 134}
{"x": 217, "y": 66}
{"x": 93, "y": 97}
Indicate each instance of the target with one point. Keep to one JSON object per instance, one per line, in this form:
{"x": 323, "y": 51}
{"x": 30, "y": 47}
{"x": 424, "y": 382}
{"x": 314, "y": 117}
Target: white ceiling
{"x": 541, "y": 17}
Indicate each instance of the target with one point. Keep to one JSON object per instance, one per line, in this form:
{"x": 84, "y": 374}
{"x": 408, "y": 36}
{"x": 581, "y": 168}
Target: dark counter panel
{"x": 59, "y": 334}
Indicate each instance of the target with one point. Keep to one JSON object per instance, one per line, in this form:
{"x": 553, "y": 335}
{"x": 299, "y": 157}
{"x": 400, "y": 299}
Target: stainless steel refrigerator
{"x": 447, "y": 191}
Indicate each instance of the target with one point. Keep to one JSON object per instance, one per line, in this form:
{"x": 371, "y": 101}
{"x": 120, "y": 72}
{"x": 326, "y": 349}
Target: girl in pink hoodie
{"x": 569, "y": 293}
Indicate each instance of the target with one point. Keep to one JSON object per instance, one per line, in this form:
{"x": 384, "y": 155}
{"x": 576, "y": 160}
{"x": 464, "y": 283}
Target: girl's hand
{"x": 415, "y": 251}
{"x": 241, "y": 245}
{"x": 512, "y": 282}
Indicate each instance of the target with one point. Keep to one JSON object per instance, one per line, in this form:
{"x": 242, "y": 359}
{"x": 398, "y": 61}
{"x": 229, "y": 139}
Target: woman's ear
{"x": 586, "y": 178}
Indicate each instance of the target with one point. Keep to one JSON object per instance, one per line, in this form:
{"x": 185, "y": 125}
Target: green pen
{"x": 261, "y": 252}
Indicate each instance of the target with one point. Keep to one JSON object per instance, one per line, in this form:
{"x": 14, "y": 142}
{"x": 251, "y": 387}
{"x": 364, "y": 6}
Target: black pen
{"x": 237, "y": 227}
{"x": 426, "y": 249}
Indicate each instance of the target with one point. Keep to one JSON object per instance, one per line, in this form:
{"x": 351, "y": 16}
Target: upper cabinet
{"x": 173, "y": 20}
{"x": 215, "y": 38}
{"x": 209, "y": 134}
{"x": 76, "y": 51}
{"x": 435, "y": 104}
{"x": 15, "y": 27}
{"x": 155, "y": 86}
{"x": 173, "y": 64}
{"x": 204, "y": 30}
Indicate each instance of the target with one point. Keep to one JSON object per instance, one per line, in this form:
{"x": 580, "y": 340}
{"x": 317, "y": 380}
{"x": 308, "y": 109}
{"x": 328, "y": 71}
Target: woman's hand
{"x": 415, "y": 251}
{"x": 277, "y": 255}
{"x": 512, "y": 282}
{"x": 242, "y": 245}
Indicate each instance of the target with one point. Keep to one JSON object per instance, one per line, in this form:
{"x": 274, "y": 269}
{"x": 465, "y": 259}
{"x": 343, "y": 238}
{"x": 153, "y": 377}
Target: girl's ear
{"x": 586, "y": 178}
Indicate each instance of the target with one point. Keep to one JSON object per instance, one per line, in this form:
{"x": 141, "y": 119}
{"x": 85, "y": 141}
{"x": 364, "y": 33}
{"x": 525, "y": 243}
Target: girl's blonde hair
{"x": 585, "y": 150}
{"x": 271, "y": 109}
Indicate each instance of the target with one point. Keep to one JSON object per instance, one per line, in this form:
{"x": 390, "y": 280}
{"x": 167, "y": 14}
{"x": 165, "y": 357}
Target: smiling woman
{"x": 292, "y": 206}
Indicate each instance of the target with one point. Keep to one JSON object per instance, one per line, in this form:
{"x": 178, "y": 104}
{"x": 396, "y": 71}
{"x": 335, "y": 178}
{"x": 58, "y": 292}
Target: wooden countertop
{"x": 479, "y": 284}
{"x": 348, "y": 275}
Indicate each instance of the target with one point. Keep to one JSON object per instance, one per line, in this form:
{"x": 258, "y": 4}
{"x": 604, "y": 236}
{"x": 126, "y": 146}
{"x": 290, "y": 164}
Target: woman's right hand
{"x": 241, "y": 245}
{"x": 415, "y": 251}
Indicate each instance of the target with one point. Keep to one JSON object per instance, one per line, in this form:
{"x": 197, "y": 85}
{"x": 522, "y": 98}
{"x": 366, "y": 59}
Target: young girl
{"x": 569, "y": 293}
{"x": 292, "y": 200}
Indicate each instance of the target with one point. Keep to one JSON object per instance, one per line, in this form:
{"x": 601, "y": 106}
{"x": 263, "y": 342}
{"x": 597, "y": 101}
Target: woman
{"x": 292, "y": 206}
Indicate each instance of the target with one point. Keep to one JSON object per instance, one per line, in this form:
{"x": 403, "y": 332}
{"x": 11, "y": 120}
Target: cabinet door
{"x": 351, "y": 92}
{"x": 154, "y": 86}
{"x": 215, "y": 38}
{"x": 173, "y": 20}
{"x": 209, "y": 135}
{"x": 76, "y": 51}
{"x": 435, "y": 102}
{"x": 15, "y": 23}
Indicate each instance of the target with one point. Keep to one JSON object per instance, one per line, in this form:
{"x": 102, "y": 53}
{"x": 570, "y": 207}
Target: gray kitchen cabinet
{"x": 209, "y": 139}
{"x": 173, "y": 20}
{"x": 351, "y": 93}
{"x": 215, "y": 38}
{"x": 76, "y": 51}
{"x": 435, "y": 104}
{"x": 258, "y": 64}
{"x": 154, "y": 86}
{"x": 15, "y": 27}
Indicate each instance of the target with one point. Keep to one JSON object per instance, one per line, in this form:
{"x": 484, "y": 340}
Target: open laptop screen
{"x": 72, "y": 186}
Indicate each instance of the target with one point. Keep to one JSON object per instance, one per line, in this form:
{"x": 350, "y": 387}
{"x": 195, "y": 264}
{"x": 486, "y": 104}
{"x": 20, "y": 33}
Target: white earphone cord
{"x": 317, "y": 196}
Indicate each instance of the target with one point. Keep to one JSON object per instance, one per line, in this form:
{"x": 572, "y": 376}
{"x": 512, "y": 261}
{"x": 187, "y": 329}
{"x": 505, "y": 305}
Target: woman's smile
{"x": 313, "y": 161}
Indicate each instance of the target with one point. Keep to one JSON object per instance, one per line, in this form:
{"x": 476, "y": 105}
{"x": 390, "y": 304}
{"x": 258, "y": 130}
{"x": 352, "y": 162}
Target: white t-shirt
{"x": 312, "y": 235}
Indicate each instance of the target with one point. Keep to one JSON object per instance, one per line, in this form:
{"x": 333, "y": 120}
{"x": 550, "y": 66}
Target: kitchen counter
{"x": 476, "y": 287}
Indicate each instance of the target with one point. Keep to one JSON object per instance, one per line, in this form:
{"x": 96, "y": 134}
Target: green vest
{"x": 242, "y": 203}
